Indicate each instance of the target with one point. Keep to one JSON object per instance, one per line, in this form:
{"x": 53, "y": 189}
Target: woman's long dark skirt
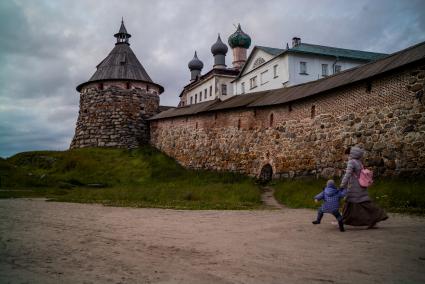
{"x": 362, "y": 214}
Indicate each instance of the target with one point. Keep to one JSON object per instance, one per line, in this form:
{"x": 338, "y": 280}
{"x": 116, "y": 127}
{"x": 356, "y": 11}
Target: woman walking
{"x": 358, "y": 209}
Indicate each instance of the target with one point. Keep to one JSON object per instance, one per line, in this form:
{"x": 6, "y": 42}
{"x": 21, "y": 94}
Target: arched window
{"x": 266, "y": 174}
{"x": 223, "y": 89}
{"x": 271, "y": 120}
{"x": 239, "y": 123}
{"x": 313, "y": 111}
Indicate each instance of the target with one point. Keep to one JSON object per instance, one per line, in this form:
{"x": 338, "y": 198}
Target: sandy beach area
{"x": 51, "y": 242}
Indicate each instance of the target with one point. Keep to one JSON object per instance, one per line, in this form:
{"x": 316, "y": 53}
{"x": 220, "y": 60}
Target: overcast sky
{"x": 47, "y": 47}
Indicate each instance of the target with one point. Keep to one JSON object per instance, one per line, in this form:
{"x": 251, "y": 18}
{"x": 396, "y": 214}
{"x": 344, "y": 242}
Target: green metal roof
{"x": 239, "y": 39}
{"x": 308, "y": 48}
{"x": 339, "y": 52}
{"x": 270, "y": 50}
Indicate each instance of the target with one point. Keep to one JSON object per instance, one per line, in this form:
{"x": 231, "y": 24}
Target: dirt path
{"x": 49, "y": 242}
{"x": 267, "y": 197}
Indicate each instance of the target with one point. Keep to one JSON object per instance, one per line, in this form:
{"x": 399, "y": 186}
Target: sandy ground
{"x": 49, "y": 242}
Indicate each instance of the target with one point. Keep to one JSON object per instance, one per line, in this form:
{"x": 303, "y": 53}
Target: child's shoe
{"x": 316, "y": 222}
{"x": 341, "y": 226}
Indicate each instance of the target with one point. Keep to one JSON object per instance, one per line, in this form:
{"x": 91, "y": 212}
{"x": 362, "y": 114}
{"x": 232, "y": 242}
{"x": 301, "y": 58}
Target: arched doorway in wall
{"x": 266, "y": 173}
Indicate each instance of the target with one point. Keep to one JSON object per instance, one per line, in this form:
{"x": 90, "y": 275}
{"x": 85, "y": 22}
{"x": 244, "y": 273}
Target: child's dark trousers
{"x": 335, "y": 213}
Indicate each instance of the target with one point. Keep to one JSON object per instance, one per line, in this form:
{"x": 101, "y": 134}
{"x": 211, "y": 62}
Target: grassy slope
{"x": 142, "y": 177}
{"x": 147, "y": 178}
{"x": 395, "y": 195}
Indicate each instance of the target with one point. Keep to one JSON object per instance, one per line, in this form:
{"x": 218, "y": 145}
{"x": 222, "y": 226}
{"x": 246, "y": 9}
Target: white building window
{"x": 337, "y": 69}
{"x": 191, "y": 100}
{"x": 253, "y": 82}
{"x": 205, "y": 94}
{"x": 303, "y": 68}
{"x": 196, "y": 98}
{"x": 223, "y": 89}
{"x": 243, "y": 87}
{"x": 263, "y": 79}
{"x": 210, "y": 91}
{"x": 275, "y": 71}
{"x": 325, "y": 70}
{"x": 200, "y": 96}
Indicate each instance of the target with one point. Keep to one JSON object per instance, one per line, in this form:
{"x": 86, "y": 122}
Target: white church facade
{"x": 272, "y": 68}
{"x": 266, "y": 68}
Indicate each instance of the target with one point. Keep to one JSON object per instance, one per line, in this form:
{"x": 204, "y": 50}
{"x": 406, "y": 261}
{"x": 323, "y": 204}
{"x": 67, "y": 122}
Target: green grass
{"x": 298, "y": 193}
{"x": 145, "y": 177}
{"x": 400, "y": 195}
{"x": 394, "y": 195}
{"x": 142, "y": 177}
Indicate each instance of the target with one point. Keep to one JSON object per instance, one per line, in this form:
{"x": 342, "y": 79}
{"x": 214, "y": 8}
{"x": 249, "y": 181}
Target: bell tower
{"x": 239, "y": 42}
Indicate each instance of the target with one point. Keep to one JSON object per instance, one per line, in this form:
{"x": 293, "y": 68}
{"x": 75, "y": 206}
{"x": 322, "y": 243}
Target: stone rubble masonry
{"x": 308, "y": 137}
{"x": 114, "y": 117}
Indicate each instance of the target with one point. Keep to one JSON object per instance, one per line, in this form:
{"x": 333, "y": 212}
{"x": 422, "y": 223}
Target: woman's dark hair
{"x": 347, "y": 151}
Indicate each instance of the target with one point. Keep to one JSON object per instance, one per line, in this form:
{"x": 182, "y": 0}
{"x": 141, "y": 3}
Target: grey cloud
{"x": 20, "y": 129}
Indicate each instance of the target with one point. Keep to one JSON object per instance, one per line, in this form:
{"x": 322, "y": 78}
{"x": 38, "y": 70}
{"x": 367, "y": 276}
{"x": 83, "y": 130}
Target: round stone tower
{"x": 116, "y": 101}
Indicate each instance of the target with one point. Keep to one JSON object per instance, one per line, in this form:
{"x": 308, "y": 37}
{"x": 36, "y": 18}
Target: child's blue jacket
{"x": 331, "y": 196}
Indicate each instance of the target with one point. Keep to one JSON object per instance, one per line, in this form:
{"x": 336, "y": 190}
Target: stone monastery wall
{"x": 309, "y": 136}
{"x": 114, "y": 117}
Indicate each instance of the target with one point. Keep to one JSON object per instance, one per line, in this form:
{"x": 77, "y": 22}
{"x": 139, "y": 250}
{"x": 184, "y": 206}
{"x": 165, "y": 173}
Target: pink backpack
{"x": 366, "y": 177}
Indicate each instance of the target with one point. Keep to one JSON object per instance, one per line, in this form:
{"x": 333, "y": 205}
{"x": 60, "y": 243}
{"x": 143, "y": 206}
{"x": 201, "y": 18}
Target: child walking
{"x": 331, "y": 197}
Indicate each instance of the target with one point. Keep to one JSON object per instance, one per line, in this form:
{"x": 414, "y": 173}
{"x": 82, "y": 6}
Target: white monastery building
{"x": 266, "y": 68}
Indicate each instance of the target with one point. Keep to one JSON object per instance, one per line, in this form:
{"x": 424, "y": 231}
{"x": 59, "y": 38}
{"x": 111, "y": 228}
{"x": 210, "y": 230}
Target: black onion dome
{"x": 195, "y": 63}
{"x": 219, "y": 47}
{"x": 239, "y": 39}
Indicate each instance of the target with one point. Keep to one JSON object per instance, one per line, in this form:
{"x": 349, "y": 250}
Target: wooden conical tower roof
{"x": 121, "y": 64}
